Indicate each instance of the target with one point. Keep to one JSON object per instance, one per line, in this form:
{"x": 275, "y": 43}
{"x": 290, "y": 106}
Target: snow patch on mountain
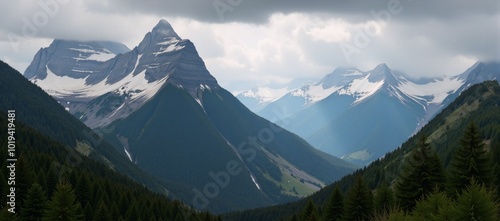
{"x": 205, "y": 87}
{"x": 92, "y": 55}
{"x": 171, "y": 44}
{"x": 313, "y": 93}
{"x": 435, "y": 91}
{"x": 361, "y": 88}
{"x": 128, "y": 154}
{"x": 255, "y": 182}
{"x": 58, "y": 86}
{"x": 264, "y": 94}
{"x": 136, "y": 86}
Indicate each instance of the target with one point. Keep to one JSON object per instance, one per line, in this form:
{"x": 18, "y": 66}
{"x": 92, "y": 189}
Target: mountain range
{"x": 161, "y": 109}
{"x": 479, "y": 103}
{"x": 359, "y": 116}
{"x": 105, "y": 131}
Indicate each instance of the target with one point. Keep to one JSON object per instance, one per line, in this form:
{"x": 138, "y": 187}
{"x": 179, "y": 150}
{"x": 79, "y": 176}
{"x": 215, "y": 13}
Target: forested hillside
{"x": 447, "y": 171}
{"x": 56, "y": 183}
{"x": 41, "y": 112}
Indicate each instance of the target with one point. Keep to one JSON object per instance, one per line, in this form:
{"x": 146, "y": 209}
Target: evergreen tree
{"x": 88, "y": 212}
{"x": 24, "y": 176}
{"x": 152, "y": 218}
{"x": 82, "y": 189}
{"x": 80, "y": 211}
{"x": 471, "y": 161}
{"x": 5, "y": 215}
{"x": 73, "y": 178}
{"x": 35, "y": 204}
{"x": 123, "y": 203}
{"x": 178, "y": 217}
{"x": 435, "y": 207}
{"x": 115, "y": 213}
{"x": 310, "y": 212}
{"x": 398, "y": 215}
{"x": 51, "y": 182}
{"x": 422, "y": 172}
{"x": 3, "y": 188}
{"x": 497, "y": 182}
{"x": 63, "y": 206}
{"x": 359, "y": 202}
{"x": 313, "y": 217}
{"x": 475, "y": 203}
{"x": 384, "y": 198}
{"x": 335, "y": 206}
{"x": 133, "y": 211}
{"x": 102, "y": 213}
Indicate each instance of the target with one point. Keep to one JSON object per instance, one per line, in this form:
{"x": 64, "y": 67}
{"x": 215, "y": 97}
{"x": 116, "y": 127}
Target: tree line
{"x": 424, "y": 190}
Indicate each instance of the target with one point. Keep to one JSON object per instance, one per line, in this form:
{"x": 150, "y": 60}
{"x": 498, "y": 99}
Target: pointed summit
{"x": 162, "y": 34}
{"x": 341, "y": 76}
{"x": 382, "y": 72}
{"x": 164, "y": 29}
{"x": 483, "y": 71}
{"x": 381, "y": 69}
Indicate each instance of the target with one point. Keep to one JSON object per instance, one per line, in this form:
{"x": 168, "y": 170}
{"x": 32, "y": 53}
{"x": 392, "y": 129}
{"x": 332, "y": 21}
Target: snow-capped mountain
{"x": 257, "y": 98}
{"x": 364, "y": 114}
{"x": 478, "y": 73}
{"x": 370, "y": 116}
{"x": 73, "y": 59}
{"x": 170, "y": 117}
{"x": 99, "y": 86}
{"x": 306, "y": 95}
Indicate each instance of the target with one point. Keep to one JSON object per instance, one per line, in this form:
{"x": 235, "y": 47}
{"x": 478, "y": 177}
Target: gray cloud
{"x": 272, "y": 40}
{"x": 258, "y": 11}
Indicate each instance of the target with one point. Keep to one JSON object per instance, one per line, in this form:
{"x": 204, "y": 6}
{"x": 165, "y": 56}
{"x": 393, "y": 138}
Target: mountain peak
{"x": 340, "y": 76}
{"x": 162, "y": 35}
{"x": 483, "y": 71}
{"x": 382, "y": 67}
{"x": 71, "y": 58}
{"x": 164, "y": 29}
{"x": 381, "y": 72}
{"x": 81, "y": 72}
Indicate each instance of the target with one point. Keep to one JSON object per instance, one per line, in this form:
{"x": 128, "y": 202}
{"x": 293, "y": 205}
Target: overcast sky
{"x": 258, "y": 42}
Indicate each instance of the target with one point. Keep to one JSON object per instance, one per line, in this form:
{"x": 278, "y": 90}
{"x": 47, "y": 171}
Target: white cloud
{"x": 332, "y": 31}
{"x": 272, "y": 52}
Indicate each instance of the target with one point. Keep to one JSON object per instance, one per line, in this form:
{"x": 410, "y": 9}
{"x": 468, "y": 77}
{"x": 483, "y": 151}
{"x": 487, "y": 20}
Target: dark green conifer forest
{"x": 87, "y": 191}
